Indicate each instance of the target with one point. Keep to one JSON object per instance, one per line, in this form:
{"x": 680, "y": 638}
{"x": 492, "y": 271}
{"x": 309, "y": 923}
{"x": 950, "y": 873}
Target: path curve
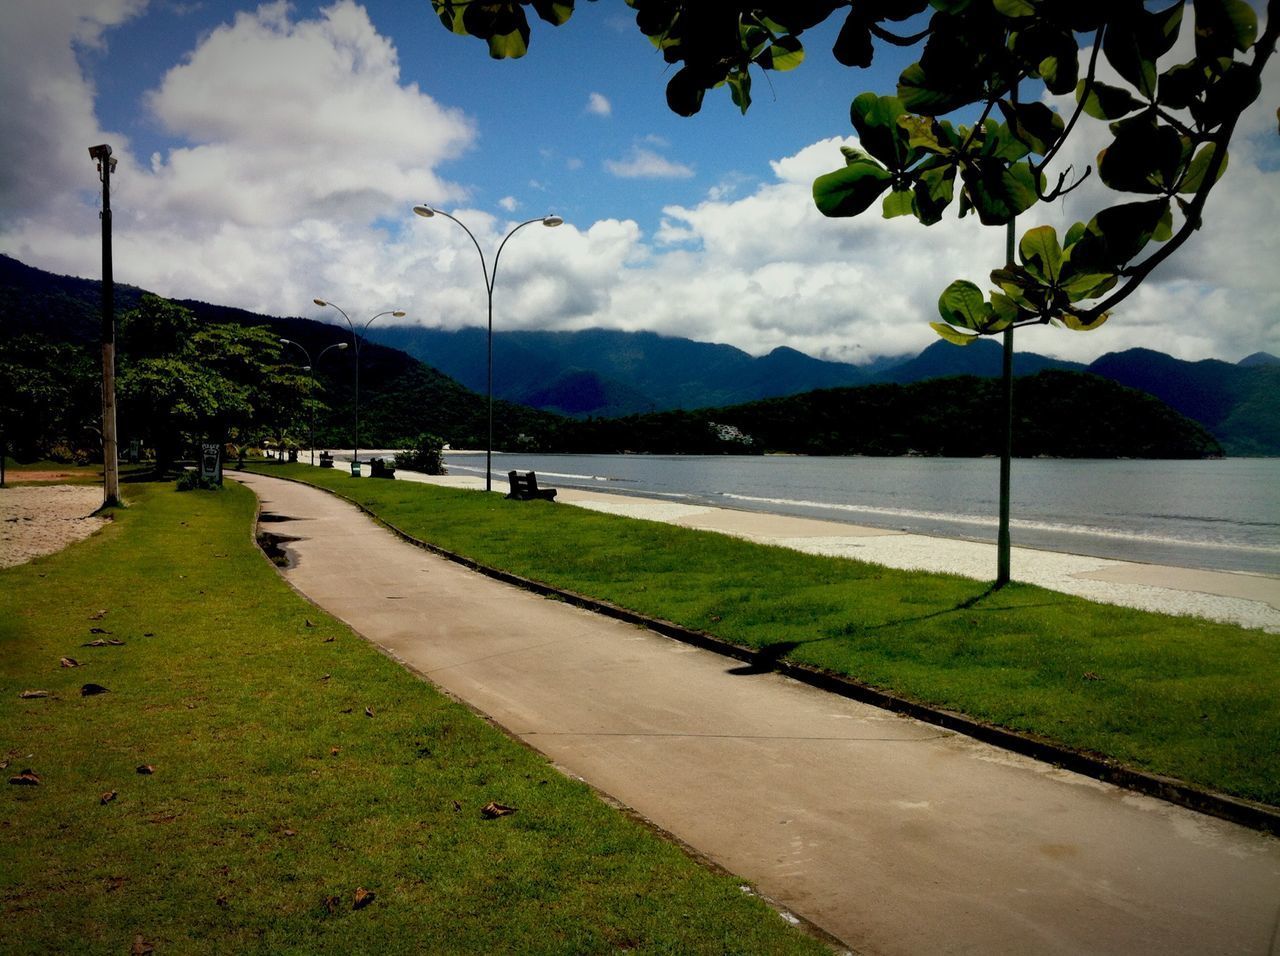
{"x": 893, "y": 835}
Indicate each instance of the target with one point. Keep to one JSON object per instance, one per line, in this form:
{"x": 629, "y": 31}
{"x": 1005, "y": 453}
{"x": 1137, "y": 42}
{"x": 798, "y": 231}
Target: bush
{"x": 426, "y": 455}
{"x": 191, "y": 481}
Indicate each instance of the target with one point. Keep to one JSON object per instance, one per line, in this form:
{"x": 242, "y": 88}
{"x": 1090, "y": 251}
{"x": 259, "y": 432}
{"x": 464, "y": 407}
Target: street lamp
{"x": 310, "y": 367}
{"x": 355, "y": 339}
{"x": 490, "y": 278}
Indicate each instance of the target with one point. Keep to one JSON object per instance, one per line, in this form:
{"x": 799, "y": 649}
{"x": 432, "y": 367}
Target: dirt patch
{"x": 41, "y": 519}
{"x": 13, "y": 476}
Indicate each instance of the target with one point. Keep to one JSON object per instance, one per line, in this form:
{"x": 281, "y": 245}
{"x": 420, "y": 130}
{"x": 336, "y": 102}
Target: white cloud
{"x": 642, "y": 163}
{"x": 598, "y": 105}
{"x": 266, "y": 207}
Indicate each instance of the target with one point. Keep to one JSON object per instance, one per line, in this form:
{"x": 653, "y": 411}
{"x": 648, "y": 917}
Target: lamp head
{"x": 398, "y": 314}
{"x": 550, "y": 221}
{"x": 426, "y": 212}
{"x": 319, "y": 301}
{"x": 100, "y": 152}
{"x": 341, "y": 345}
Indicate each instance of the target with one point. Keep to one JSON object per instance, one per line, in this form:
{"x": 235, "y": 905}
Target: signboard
{"x": 211, "y": 463}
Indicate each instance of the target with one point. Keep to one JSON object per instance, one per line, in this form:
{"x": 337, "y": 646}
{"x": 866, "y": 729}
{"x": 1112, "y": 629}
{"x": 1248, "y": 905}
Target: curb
{"x": 1256, "y": 816}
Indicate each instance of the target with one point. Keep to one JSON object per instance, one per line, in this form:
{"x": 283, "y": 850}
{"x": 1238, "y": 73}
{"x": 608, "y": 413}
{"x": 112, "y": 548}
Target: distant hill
{"x": 605, "y": 372}
{"x": 1060, "y": 414}
{"x": 1259, "y": 358}
{"x": 983, "y": 358}
{"x": 1240, "y": 404}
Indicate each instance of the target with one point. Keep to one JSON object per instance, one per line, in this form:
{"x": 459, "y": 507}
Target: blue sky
{"x": 270, "y": 153}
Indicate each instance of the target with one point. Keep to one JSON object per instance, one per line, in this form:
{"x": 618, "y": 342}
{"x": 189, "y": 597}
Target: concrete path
{"x": 895, "y": 836}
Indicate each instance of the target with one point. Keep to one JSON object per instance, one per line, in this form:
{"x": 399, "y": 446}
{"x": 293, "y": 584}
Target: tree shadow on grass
{"x": 766, "y": 659}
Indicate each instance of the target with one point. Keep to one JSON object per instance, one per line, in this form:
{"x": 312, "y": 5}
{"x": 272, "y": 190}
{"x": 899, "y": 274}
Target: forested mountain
{"x": 1057, "y": 414}
{"x": 48, "y": 320}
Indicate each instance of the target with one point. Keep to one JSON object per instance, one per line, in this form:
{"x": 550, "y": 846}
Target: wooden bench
{"x": 524, "y": 487}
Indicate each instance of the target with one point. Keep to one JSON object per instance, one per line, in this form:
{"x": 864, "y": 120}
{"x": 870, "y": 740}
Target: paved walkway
{"x": 895, "y": 836}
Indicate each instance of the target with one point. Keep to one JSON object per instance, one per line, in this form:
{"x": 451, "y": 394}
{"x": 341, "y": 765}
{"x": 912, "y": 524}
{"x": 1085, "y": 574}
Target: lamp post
{"x": 355, "y": 340}
{"x": 490, "y": 278}
{"x": 310, "y": 367}
{"x": 110, "y": 452}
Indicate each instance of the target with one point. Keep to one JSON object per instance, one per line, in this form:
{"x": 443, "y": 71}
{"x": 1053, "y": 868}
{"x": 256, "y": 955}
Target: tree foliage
{"x": 182, "y": 382}
{"x": 1168, "y": 124}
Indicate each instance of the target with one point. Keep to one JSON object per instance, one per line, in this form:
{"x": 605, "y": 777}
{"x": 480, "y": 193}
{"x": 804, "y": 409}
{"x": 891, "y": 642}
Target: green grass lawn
{"x": 275, "y": 793}
{"x": 1171, "y": 695}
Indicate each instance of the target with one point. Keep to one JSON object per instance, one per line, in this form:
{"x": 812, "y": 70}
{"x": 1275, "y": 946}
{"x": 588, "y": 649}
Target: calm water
{"x": 1207, "y": 514}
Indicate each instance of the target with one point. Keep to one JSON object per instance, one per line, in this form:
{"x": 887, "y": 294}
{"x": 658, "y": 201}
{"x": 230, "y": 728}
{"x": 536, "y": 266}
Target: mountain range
{"x": 606, "y": 373}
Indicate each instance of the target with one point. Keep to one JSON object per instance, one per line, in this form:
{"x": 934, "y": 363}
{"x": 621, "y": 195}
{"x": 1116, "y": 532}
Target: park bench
{"x": 524, "y": 487}
{"x": 380, "y": 468}
{"x": 326, "y": 460}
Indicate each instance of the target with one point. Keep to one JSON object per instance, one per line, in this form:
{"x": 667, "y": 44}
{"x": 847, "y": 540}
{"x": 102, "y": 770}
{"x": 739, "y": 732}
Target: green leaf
{"x": 930, "y": 95}
{"x": 1180, "y": 85}
{"x": 1089, "y": 285}
{"x": 1199, "y": 168}
{"x": 1006, "y": 311}
{"x": 849, "y": 191}
{"x": 853, "y": 45}
{"x": 685, "y": 93}
{"x": 786, "y": 53}
{"x": 1015, "y": 8}
{"x": 1116, "y": 235}
{"x": 899, "y": 202}
{"x": 1041, "y": 253}
{"x": 934, "y": 190}
{"x": 1224, "y": 25}
{"x": 952, "y": 335}
{"x": 555, "y": 12}
{"x": 962, "y": 304}
{"x": 998, "y": 192}
{"x": 1144, "y": 158}
{"x": 876, "y": 120}
{"x": 1034, "y": 124}
{"x": 1077, "y": 324}
{"x": 740, "y": 89}
{"x": 1107, "y": 102}
{"x": 1121, "y": 48}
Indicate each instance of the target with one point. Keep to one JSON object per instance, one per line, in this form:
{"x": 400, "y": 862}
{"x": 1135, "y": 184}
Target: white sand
{"x": 42, "y": 519}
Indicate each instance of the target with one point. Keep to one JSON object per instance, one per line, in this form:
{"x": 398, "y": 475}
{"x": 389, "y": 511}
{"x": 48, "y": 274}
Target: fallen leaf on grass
{"x": 326, "y": 676}
{"x": 1090, "y": 675}
{"x": 146, "y": 768}
{"x": 307, "y": 622}
{"x": 99, "y": 642}
{"x": 98, "y": 630}
{"x": 348, "y": 710}
{"x": 493, "y": 810}
{"x": 33, "y": 694}
{"x": 334, "y": 751}
{"x": 68, "y": 662}
{"x": 290, "y": 832}
{"x": 88, "y": 690}
{"x": 363, "y": 898}
{"x": 99, "y": 616}
{"x": 141, "y": 947}
{"x": 221, "y": 901}
{"x": 331, "y": 903}
{"x": 149, "y": 634}
{"x": 329, "y": 640}
{"x": 368, "y": 711}
{"x": 28, "y": 778}
{"x": 109, "y": 796}
{"x": 457, "y": 807}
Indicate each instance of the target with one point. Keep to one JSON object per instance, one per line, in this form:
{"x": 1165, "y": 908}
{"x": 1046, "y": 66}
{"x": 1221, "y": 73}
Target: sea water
{"x": 1222, "y": 514}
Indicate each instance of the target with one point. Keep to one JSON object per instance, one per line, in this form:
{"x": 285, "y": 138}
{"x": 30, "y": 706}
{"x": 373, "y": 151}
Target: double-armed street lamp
{"x": 310, "y": 367}
{"x": 427, "y": 212}
{"x": 355, "y": 340}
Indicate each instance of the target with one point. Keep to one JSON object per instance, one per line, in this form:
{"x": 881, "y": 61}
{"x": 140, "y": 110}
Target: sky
{"x": 270, "y": 154}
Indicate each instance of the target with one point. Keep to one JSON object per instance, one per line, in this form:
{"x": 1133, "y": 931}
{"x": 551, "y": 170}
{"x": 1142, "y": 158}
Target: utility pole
{"x": 110, "y": 451}
{"x": 1003, "y": 571}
